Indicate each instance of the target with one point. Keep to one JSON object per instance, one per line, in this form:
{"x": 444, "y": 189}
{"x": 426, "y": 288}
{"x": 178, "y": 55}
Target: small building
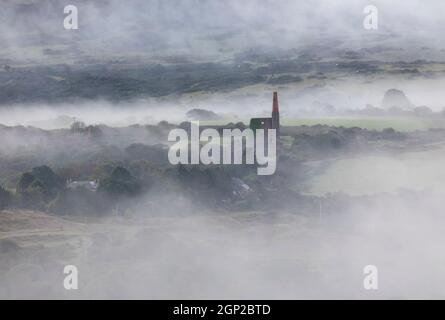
{"x": 268, "y": 123}
{"x": 91, "y": 186}
{"x": 240, "y": 188}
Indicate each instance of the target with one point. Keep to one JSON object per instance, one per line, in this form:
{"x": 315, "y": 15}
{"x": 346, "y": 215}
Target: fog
{"x": 365, "y": 175}
{"x": 343, "y": 198}
{"x": 239, "y": 105}
{"x": 188, "y": 27}
{"x": 170, "y": 246}
{"x": 285, "y": 255}
{"x": 119, "y": 37}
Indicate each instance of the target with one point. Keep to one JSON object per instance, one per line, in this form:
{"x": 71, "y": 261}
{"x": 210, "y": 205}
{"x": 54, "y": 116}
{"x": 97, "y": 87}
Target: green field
{"x": 367, "y": 175}
{"x": 402, "y": 124}
{"x": 399, "y": 124}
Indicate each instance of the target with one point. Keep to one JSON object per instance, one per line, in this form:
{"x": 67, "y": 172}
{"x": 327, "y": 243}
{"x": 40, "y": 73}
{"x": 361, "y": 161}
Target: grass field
{"x": 367, "y": 175}
{"x": 403, "y": 124}
{"x": 399, "y": 124}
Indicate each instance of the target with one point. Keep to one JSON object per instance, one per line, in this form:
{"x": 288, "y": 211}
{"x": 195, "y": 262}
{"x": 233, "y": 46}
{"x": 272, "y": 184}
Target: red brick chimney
{"x": 276, "y": 114}
{"x": 275, "y": 103}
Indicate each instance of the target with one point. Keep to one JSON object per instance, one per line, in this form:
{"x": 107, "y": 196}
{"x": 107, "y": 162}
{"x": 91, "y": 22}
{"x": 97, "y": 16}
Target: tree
{"x": 5, "y": 198}
{"x": 50, "y": 180}
{"x": 78, "y": 127}
{"x": 39, "y": 186}
{"x": 25, "y": 181}
{"x": 202, "y": 114}
{"x": 120, "y": 183}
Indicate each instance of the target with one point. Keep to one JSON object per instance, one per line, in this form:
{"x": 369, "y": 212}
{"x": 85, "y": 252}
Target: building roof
{"x": 89, "y": 185}
{"x": 260, "y": 123}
